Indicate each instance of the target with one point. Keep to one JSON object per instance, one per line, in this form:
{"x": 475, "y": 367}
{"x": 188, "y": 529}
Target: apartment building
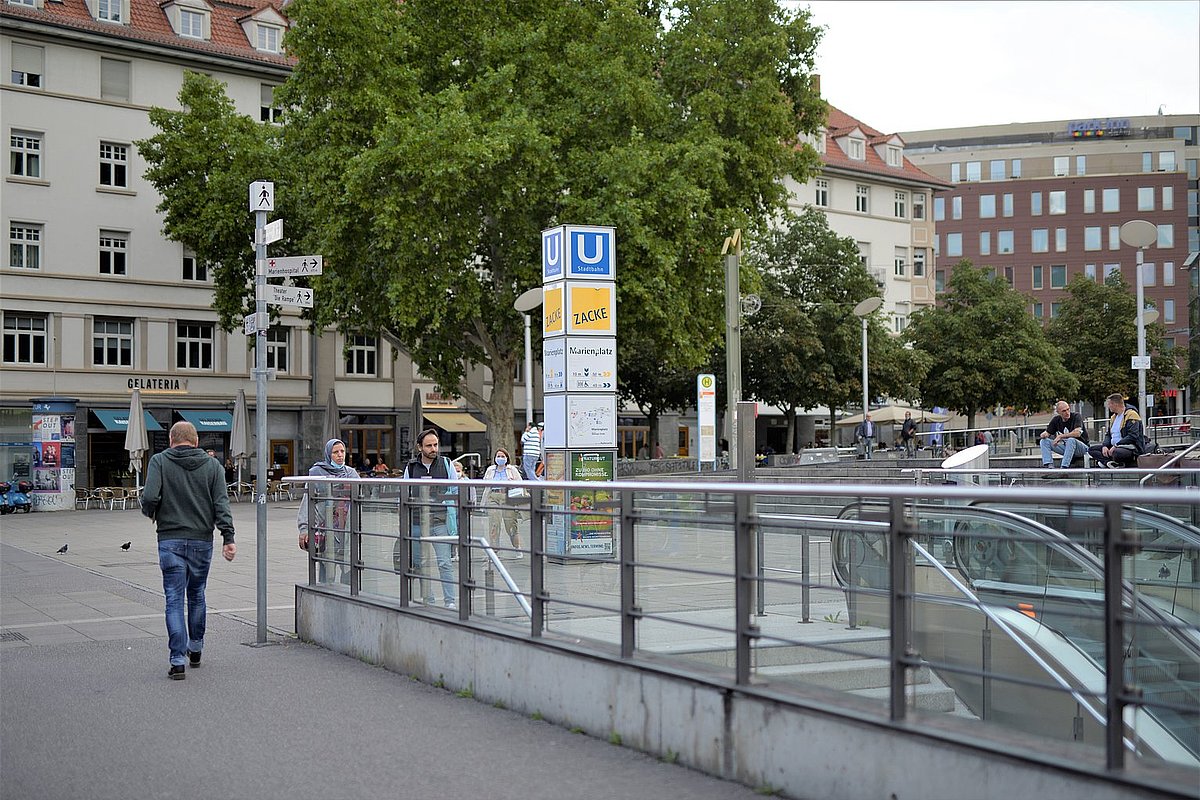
{"x": 1042, "y": 202}
{"x": 96, "y": 301}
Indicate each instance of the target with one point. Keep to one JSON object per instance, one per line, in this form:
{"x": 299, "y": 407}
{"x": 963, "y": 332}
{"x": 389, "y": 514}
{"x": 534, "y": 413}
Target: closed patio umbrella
{"x": 239, "y": 438}
{"x": 333, "y": 428}
{"x": 137, "y": 442}
{"x": 418, "y": 418}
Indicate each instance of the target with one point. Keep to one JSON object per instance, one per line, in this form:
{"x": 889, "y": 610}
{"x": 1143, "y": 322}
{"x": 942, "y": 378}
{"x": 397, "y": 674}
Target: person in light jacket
{"x": 501, "y": 514}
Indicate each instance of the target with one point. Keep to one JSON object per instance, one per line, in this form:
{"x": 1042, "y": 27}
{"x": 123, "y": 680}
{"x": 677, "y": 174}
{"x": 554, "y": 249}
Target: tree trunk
{"x": 790, "y": 438}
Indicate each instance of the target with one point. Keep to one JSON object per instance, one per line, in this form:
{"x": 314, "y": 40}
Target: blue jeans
{"x": 441, "y": 554}
{"x": 1067, "y": 449}
{"x": 184, "y": 564}
{"x": 530, "y": 464}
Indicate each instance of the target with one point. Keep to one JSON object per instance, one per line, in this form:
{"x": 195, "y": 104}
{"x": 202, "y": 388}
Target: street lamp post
{"x": 526, "y": 303}
{"x": 1141, "y": 234}
{"x": 863, "y": 311}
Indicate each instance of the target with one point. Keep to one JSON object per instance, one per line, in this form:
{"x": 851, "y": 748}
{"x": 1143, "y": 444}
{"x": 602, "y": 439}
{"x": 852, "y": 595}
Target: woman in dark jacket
{"x": 331, "y": 514}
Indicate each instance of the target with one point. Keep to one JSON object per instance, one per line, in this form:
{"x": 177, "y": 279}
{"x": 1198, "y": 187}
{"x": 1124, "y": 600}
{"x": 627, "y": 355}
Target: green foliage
{"x": 1096, "y": 330}
{"x": 985, "y": 349}
{"x": 576, "y": 729}
{"x": 536, "y": 716}
{"x": 499, "y": 704}
{"x": 671, "y": 757}
{"x": 615, "y": 738}
{"x": 426, "y": 144}
{"x": 466, "y": 693}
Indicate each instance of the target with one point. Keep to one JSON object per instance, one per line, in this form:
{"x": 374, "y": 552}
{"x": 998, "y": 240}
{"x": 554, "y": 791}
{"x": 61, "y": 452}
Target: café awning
{"x": 214, "y": 421}
{"x": 117, "y": 419}
{"x": 455, "y": 421}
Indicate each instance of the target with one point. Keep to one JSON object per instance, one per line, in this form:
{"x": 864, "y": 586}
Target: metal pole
{"x": 1114, "y": 639}
{"x": 1141, "y": 336}
{"x": 733, "y": 354}
{"x": 866, "y": 393}
{"x": 260, "y": 420}
{"x": 528, "y": 373}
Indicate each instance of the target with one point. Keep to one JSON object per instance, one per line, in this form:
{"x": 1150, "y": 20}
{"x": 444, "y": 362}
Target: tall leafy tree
{"x": 1096, "y": 330}
{"x": 804, "y": 349}
{"x": 427, "y": 143}
{"x": 985, "y": 349}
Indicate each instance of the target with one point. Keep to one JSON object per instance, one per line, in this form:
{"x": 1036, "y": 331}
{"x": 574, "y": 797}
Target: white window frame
{"x": 114, "y": 335}
{"x": 278, "y": 345}
{"x": 1168, "y": 273}
{"x": 25, "y": 154}
{"x": 901, "y": 205}
{"x": 1000, "y": 246}
{"x": 267, "y": 110}
{"x": 191, "y": 270}
{"x": 894, "y": 158}
{"x": 29, "y": 57}
{"x": 1061, "y": 271}
{"x": 1110, "y": 194}
{"x": 267, "y": 37}
{"x": 1168, "y": 310}
{"x": 900, "y": 262}
{"x": 114, "y": 165}
{"x": 25, "y": 245}
{"x": 362, "y": 356}
{"x": 110, "y": 11}
{"x": 194, "y": 346}
{"x": 918, "y": 262}
{"x": 1145, "y": 198}
{"x": 1042, "y": 246}
{"x": 191, "y": 23}
{"x": 114, "y": 253}
{"x": 116, "y": 87}
{"x": 821, "y": 192}
{"x": 862, "y": 198}
{"x": 1057, "y": 202}
{"x": 856, "y": 149}
{"x": 27, "y": 328}
{"x": 918, "y": 205}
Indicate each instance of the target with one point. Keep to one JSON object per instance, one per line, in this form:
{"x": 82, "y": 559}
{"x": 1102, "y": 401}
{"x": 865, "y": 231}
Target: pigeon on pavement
{"x": 62, "y": 549}
{"x": 126, "y": 545}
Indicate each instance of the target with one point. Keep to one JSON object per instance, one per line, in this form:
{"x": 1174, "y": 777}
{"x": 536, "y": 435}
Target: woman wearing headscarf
{"x": 331, "y": 514}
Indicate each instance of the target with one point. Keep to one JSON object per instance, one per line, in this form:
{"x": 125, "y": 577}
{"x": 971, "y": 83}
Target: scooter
{"x": 5, "y": 506}
{"x": 18, "y": 496}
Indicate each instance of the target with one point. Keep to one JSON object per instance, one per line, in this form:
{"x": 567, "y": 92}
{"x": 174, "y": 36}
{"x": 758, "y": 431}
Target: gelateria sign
{"x": 158, "y": 384}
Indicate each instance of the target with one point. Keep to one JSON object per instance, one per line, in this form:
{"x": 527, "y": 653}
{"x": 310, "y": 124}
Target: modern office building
{"x": 96, "y": 301}
{"x": 1042, "y": 202}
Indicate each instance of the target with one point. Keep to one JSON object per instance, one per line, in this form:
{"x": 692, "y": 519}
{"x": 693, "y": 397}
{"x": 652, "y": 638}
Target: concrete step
{"x": 768, "y": 655}
{"x": 867, "y": 673}
{"x": 928, "y": 697}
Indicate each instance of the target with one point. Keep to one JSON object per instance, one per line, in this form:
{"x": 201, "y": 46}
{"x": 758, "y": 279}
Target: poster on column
{"x": 591, "y": 421}
{"x": 591, "y": 533}
{"x": 556, "y": 501}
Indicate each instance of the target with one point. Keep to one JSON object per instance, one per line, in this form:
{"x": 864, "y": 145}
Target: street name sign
{"x": 271, "y": 232}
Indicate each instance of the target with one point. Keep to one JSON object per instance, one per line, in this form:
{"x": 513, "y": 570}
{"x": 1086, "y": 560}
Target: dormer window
{"x": 895, "y": 157}
{"x": 821, "y": 142}
{"x": 110, "y": 10}
{"x": 857, "y": 149}
{"x": 190, "y": 18}
{"x": 191, "y": 24}
{"x": 268, "y": 38}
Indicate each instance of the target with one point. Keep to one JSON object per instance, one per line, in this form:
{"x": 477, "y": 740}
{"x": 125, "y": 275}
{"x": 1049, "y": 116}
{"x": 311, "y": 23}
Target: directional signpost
{"x": 290, "y": 266}
{"x": 288, "y": 295}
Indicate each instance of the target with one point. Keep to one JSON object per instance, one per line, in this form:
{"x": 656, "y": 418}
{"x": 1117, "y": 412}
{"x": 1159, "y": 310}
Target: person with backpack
{"x": 1125, "y": 437}
{"x": 429, "y": 464}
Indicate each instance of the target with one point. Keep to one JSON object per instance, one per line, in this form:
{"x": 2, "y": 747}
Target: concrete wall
{"x": 708, "y": 724}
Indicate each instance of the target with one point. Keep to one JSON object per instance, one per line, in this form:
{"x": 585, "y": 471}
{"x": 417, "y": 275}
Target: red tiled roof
{"x": 839, "y": 123}
{"x": 149, "y": 24}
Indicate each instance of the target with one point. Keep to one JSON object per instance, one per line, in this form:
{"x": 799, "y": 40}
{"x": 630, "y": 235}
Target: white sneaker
{"x": 451, "y": 606}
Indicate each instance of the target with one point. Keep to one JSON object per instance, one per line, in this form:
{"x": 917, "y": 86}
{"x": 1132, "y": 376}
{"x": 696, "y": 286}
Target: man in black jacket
{"x": 1124, "y": 439}
{"x": 1065, "y": 435}
{"x": 186, "y": 496}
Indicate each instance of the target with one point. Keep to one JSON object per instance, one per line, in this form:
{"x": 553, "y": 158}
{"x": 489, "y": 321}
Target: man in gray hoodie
{"x": 186, "y": 496}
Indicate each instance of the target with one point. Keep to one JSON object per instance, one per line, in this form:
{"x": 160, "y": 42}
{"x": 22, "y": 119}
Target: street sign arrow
{"x": 288, "y": 295}
{"x": 288, "y": 266}
{"x": 271, "y": 232}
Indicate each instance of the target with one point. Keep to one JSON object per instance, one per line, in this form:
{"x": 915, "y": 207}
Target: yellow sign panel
{"x": 591, "y": 308}
{"x": 552, "y": 310}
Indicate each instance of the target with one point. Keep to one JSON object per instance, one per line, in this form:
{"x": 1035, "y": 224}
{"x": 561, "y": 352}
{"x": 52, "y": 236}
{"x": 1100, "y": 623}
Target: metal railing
{"x": 717, "y": 580}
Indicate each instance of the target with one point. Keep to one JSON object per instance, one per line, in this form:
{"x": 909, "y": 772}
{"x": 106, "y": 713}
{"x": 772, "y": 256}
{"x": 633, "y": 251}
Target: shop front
{"x": 108, "y": 460}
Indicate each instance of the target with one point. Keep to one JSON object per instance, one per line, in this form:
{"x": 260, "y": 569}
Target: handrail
{"x": 1167, "y": 464}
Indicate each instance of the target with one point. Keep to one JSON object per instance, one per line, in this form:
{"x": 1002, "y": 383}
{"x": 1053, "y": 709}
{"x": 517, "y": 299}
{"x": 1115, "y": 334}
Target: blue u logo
{"x": 590, "y": 253}
{"x": 552, "y": 253}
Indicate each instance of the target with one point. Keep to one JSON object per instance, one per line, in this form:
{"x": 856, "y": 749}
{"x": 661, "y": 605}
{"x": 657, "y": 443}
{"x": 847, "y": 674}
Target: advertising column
{"x": 579, "y": 381}
{"x": 53, "y": 478}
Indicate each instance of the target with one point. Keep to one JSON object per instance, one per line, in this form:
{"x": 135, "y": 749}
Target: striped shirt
{"x": 531, "y": 443}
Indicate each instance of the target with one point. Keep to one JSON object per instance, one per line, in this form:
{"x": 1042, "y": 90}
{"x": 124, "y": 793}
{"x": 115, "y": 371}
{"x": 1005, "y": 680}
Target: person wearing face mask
{"x": 332, "y": 515}
{"x": 501, "y": 515}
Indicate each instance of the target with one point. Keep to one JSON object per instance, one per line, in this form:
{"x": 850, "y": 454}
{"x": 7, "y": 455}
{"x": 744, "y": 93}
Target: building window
{"x": 1040, "y": 240}
{"x": 194, "y": 345}
{"x": 974, "y": 171}
{"x": 1111, "y": 200}
{"x": 1092, "y": 238}
{"x": 901, "y": 321}
{"x": 109, "y": 10}
{"x": 24, "y": 339}
{"x": 956, "y": 207}
{"x": 114, "y": 79}
{"x": 1060, "y": 240}
{"x": 1147, "y": 162}
{"x": 1109, "y": 271}
{"x": 919, "y": 262}
{"x": 1035, "y": 204}
{"x": 28, "y": 63}
{"x": 1168, "y": 310}
{"x": 1058, "y": 276}
{"x": 1193, "y": 169}
{"x": 1166, "y": 161}
{"x": 996, "y": 170}
{"x": 1193, "y": 203}
{"x": 113, "y": 163}
{"x": 918, "y": 206}
{"x": 112, "y": 343}
{"x": 1054, "y": 309}
{"x": 939, "y": 280}
{"x": 893, "y": 157}
{"x": 900, "y": 262}
{"x": 857, "y": 149}
{"x": 955, "y": 172}
{"x": 1168, "y": 273}
{"x": 1006, "y": 205}
{"x": 1062, "y": 166}
{"x": 1168, "y": 198}
{"x": 24, "y": 246}
{"x": 1089, "y": 201}
{"x": 1004, "y": 241}
{"x": 1166, "y": 236}
{"x": 268, "y": 38}
{"x": 268, "y": 112}
{"x": 277, "y": 348}
{"x": 821, "y": 192}
{"x": 1114, "y": 237}
{"x": 862, "y": 198}
{"x": 192, "y": 269}
{"x": 1149, "y": 274}
{"x": 954, "y": 244}
{"x": 25, "y": 154}
{"x": 191, "y": 24}
{"x": 1081, "y": 165}
{"x": 113, "y": 249}
{"x": 901, "y": 205}
{"x": 1145, "y": 198}
{"x": 1058, "y": 202}
{"x": 1037, "y": 310}
{"x": 939, "y": 209}
{"x": 1008, "y": 275}
{"x": 360, "y": 356}
{"x": 1016, "y": 167}
{"x": 1090, "y": 271}
{"x": 1036, "y": 272}
{"x": 985, "y": 243}
{"x": 864, "y": 253}
{"x": 987, "y": 206}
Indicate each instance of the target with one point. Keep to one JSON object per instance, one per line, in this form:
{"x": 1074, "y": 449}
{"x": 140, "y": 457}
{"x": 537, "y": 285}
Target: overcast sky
{"x": 901, "y": 66}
